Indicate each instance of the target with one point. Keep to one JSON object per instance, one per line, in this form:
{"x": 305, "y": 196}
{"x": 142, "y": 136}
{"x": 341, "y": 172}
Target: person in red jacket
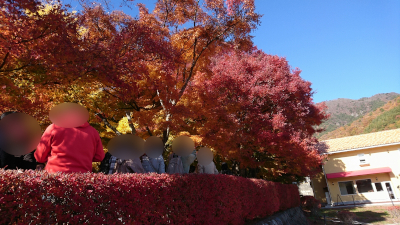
{"x": 69, "y": 149}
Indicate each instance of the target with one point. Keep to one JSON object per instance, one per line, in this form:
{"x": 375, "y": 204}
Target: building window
{"x": 347, "y": 188}
{"x": 364, "y": 186}
{"x": 363, "y": 159}
{"x": 378, "y": 187}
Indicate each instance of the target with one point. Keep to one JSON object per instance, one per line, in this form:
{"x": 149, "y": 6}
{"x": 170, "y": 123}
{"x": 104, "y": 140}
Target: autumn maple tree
{"x": 151, "y": 61}
{"x": 36, "y": 42}
{"x": 258, "y": 111}
{"x": 187, "y": 66}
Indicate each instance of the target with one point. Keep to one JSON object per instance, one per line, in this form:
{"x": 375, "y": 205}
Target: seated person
{"x": 188, "y": 160}
{"x": 70, "y": 148}
{"x": 205, "y": 161}
{"x": 125, "y": 151}
{"x": 125, "y": 166}
{"x": 12, "y": 162}
{"x": 152, "y": 160}
{"x": 153, "y": 165}
{"x": 208, "y": 169}
{"x": 175, "y": 164}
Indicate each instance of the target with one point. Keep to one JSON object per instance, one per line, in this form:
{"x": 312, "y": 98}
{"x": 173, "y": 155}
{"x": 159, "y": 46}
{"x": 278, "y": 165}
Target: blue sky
{"x": 346, "y": 49}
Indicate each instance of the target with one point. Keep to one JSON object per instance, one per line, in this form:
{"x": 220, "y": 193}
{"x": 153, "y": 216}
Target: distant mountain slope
{"x": 344, "y": 111}
{"x": 384, "y": 118}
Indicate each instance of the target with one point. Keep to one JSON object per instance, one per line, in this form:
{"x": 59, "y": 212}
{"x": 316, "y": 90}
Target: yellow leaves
{"x": 48, "y": 9}
{"x": 123, "y": 126}
{"x": 185, "y": 101}
{"x": 82, "y": 31}
{"x": 44, "y": 10}
{"x": 183, "y": 133}
{"x": 154, "y": 71}
{"x": 96, "y": 94}
{"x": 158, "y": 118}
{"x": 22, "y": 82}
{"x": 197, "y": 139}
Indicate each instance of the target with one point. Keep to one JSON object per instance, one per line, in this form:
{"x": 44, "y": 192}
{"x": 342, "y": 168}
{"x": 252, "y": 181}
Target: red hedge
{"x": 138, "y": 198}
{"x": 289, "y": 194}
{"x": 310, "y": 203}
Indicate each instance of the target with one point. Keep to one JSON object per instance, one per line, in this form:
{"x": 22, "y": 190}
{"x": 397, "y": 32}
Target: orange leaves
{"x": 156, "y": 67}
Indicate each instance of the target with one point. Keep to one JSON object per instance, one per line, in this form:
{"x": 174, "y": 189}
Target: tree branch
{"x": 148, "y": 131}
{"x": 42, "y": 34}
{"x": 105, "y": 121}
{"x": 19, "y": 68}
{"x": 197, "y": 58}
{"x": 4, "y": 60}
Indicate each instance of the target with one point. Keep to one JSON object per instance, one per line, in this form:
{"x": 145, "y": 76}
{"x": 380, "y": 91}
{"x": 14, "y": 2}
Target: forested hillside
{"x": 384, "y": 118}
{"x": 345, "y": 111}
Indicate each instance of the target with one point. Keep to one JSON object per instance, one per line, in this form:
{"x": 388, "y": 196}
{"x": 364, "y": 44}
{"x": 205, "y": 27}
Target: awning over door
{"x": 359, "y": 172}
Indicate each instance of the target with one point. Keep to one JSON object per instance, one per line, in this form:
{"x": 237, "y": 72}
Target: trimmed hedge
{"x": 310, "y": 203}
{"x": 33, "y": 197}
{"x": 289, "y": 195}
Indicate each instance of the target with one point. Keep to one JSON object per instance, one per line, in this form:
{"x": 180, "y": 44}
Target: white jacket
{"x": 208, "y": 169}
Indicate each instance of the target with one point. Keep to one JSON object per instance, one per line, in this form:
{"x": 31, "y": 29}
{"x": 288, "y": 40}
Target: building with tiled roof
{"x": 360, "y": 169}
{"x": 362, "y": 141}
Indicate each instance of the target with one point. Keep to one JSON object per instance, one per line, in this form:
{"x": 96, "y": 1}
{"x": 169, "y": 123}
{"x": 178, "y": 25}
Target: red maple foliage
{"x": 36, "y": 48}
{"x": 259, "y": 112}
{"x": 42, "y": 198}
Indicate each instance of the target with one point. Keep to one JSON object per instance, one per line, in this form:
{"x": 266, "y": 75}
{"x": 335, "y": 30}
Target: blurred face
{"x": 72, "y": 117}
{"x": 18, "y": 131}
{"x": 154, "y": 147}
{"x": 126, "y": 146}
{"x": 182, "y": 146}
{"x": 205, "y": 156}
{"x": 69, "y": 115}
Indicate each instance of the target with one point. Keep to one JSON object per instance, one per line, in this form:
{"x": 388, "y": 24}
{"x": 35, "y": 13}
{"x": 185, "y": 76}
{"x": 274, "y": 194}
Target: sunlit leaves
{"x": 171, "y": 70}
{"x": 256, "y": 104}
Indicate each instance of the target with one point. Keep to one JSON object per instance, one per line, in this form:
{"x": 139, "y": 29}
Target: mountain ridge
{"x": 344, "y": 111}
{"x": 384, "y": 118}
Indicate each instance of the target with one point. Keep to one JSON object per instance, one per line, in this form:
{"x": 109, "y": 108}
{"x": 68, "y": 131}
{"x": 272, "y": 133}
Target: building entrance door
{"x": 389, "y": 190}
{"x": 328, "y": 199}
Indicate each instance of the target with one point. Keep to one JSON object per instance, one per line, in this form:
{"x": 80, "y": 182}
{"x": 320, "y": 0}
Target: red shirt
{"x": 69, "y": 149}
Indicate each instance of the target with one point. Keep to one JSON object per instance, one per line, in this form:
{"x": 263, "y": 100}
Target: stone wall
{"x": 293, "y": 216}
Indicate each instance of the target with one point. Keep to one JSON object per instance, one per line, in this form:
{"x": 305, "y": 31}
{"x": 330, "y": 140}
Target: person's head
{"x": 16, "y": 128}
{"x": 7, "y": 113}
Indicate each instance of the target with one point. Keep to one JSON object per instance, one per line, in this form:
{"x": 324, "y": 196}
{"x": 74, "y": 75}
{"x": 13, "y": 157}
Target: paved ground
{"x": 363, "y": 205}
{"x": 366, "y": 214}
